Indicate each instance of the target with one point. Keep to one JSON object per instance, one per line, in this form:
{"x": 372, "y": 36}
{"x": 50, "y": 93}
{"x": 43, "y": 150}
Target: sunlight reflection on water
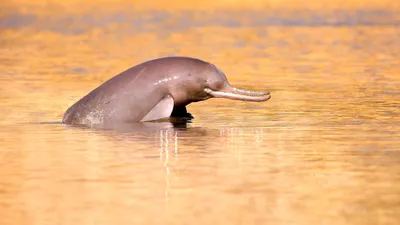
{"x": 324, "y": 148}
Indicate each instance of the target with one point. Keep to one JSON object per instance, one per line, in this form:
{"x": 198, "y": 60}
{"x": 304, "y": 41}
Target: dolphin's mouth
{"x": 203, "y": 97}
{"x": 198, "y": 97}
{"x": 239, "y": 94}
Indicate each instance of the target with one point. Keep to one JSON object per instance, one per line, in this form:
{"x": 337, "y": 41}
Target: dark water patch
{"x": 50, "y": 122}
{"x": 141, "y": 21}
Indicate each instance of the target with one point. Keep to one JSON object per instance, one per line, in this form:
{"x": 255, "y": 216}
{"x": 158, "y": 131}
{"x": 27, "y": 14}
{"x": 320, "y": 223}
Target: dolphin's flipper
{"x": 162, "y": 109}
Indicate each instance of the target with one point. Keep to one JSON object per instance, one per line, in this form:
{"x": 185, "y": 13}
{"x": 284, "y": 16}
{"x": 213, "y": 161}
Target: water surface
{"x": 323, "y": 150}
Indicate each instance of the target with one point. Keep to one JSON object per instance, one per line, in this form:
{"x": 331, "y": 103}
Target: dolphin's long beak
{"x": 239, "y": 94}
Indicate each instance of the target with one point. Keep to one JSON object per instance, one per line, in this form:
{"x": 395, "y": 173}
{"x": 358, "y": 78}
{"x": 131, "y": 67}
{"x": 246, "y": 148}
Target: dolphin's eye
{"x": 218, "y": 85}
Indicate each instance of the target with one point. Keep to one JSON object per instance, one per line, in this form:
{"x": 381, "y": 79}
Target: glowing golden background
{"x": 323, "y": 150}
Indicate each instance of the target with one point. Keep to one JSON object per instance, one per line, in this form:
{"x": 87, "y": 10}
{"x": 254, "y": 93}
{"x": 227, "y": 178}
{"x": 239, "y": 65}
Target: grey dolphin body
{"x": 154, "y": 90}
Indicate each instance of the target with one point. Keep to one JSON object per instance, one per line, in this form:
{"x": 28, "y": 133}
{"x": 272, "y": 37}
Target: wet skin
{"x": 154, "y": 90}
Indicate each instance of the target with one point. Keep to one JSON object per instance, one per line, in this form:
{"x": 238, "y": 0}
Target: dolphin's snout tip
{"x": 266, "y": 97}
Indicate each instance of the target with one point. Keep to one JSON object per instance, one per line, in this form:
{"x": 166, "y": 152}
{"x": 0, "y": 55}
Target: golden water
{"x": 324, "y": 149}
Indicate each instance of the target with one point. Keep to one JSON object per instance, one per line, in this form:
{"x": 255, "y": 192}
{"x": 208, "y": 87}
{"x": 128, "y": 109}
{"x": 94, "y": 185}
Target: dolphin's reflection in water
{"x": 167, "y": 140}
{"x": 143, "y": 127}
